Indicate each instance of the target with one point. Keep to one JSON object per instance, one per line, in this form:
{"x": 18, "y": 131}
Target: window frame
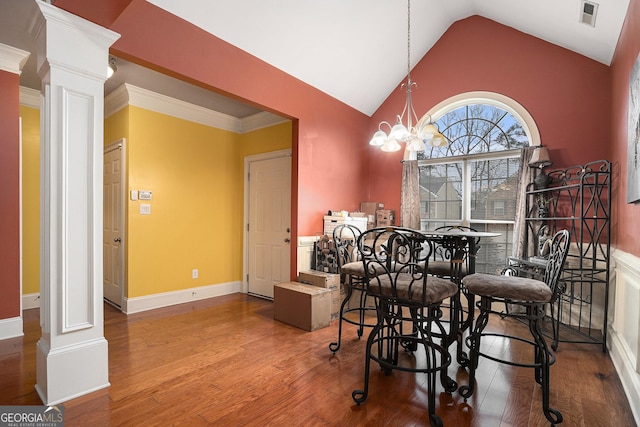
{"x": 466, "y": 160}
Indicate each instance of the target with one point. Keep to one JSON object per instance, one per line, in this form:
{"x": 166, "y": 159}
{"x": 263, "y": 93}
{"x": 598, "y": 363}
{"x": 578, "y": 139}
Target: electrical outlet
{"x": 194, "y": 273}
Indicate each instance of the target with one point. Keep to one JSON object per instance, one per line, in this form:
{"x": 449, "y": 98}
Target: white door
{"x": 269, "y": 224}
{"x": 113, "y": 228}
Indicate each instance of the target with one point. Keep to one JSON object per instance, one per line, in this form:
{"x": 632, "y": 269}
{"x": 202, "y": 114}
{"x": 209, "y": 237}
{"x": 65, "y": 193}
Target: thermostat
{"x": 144, "y": 195}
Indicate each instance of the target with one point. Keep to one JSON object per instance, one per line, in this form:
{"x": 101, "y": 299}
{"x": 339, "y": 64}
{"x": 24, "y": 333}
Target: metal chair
{"x": 345, "y": 238}
{"x": 531, "y": 295}
{"x": 449, "y": 259}
{"x": 395, "y": 262}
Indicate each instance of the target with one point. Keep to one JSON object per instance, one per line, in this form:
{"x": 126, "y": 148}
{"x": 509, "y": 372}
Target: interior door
{"x": 113, "y": 224}
{"x": 269, "y": 224}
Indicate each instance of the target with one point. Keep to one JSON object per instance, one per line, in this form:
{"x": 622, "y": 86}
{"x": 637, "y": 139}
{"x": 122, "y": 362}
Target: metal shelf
{"x": 578, "y": 199}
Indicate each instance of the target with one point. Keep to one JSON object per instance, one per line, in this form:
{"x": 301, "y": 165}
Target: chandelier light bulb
{"x": 378, "y": 138}
{"x": 390, "y": 145}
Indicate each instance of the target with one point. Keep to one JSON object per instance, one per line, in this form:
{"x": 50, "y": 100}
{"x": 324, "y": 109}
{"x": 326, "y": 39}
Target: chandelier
{"x": 425, "y": 131}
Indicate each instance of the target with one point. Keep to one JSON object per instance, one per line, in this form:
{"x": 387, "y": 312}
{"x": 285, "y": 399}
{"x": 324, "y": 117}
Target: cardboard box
{"x": 370, "y": 208}
{"x": 320, "y": 279}
{"x": 328, "y": 281}
{"x": 385, "y": 217}
{"x": 301, "y": 305}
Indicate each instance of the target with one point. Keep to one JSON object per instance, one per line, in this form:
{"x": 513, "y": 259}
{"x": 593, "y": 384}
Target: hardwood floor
{"x": 226, "y": 362}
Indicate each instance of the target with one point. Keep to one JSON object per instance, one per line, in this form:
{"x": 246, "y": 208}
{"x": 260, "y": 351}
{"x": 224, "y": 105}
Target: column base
{"x": 73, "y": 371}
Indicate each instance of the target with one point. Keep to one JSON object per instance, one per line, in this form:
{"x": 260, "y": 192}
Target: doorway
{"x": 113, "y": 223}
{"x": 268, "y": 215}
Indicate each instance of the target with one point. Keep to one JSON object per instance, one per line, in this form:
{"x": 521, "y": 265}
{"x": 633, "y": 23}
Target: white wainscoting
{"x": 624, "y": 325}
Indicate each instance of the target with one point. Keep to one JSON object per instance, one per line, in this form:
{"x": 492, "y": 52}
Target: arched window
{"x": 473, "y": 180}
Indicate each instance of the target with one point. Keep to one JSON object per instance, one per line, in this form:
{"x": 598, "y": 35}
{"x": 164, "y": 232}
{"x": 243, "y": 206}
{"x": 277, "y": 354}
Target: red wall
{"x": 9, "y": 195}
{"x": 328, "y": 167}
{"x": 330, "y": 174}
{"x": 626, "y": 227}
{"x": 567, "y": 94}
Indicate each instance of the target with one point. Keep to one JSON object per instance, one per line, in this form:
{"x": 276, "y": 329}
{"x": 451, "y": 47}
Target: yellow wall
{"x": 196, "y": 176}
{"x": 30, "y": 199}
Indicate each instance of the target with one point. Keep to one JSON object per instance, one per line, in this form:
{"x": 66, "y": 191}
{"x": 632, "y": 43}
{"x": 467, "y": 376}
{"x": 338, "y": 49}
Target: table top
{"x": 464, "y": 233}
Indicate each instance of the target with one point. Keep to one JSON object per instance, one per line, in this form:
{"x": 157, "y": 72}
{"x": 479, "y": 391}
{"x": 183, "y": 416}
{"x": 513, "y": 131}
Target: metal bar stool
{"x": 530, "y": 294}
{"x": 352, "y": 274}
{"x": 395, "y": 262}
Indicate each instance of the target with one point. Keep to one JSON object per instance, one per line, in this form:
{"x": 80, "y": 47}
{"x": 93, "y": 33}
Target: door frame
{"x": 121, "y": 144}
{"x": 245, "y": 238}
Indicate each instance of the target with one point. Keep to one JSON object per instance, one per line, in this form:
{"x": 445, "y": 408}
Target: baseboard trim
{"x": 30, "y": 301}
{"x": 628, "y": 376}
{"x": 11, "y": 328}
{"x": 166, "y": 299}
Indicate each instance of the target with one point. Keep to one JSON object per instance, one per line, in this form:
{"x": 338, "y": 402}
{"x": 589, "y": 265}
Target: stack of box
{"x": 327, "y": 281}
{"x": 370, "y": 209}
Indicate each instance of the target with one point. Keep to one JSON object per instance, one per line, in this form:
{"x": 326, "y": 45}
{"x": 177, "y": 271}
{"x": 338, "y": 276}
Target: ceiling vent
{"x": 588, "y": 13}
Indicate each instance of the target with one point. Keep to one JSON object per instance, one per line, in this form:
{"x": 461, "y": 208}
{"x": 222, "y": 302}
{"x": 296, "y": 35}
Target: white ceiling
{"x": 332, "y": 44}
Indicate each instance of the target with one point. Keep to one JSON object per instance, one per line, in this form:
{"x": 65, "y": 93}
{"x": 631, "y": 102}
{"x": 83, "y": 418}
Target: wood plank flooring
{"x": 225, "y": 362}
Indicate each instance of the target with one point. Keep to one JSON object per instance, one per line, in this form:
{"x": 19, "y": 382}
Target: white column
{"x": 72, "y": 358}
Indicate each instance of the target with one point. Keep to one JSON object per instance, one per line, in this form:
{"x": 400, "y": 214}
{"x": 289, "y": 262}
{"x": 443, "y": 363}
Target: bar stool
{"x": 395, "y": 262}
{"x": 531, "y": 295}
{"x": 352, "y": 274}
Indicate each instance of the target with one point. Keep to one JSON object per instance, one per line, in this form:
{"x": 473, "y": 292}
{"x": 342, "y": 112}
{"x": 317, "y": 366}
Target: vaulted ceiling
{"x": 332, "y": 44}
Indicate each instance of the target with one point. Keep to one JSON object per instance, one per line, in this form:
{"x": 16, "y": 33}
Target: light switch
{"x": 145, "y": 209}
{"x": 134, "y": 195}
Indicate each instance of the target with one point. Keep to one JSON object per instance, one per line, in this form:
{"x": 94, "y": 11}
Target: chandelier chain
{"x": 409, "y": 39}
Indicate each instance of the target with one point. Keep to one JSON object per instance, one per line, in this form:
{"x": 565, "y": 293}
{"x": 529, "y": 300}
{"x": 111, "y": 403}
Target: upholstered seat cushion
{"x": 438, "y": 289}
{"x": 355, "y": 268}
{"x": 443, "y": 268}
{"x": 507, "y": 287}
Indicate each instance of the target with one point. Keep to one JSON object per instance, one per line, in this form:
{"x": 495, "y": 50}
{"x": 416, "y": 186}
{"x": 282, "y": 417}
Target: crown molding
{"x": 132, "y": 95}
{"x": 12, "y": 59}
{"x": 261, "y": 120}
{"x": 29, "y": 97}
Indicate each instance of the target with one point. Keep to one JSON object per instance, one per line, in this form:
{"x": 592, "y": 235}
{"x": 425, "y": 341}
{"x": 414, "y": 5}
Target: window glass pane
{"x": 494, "y": 251}
{"x": 475, "y": 129}
{"x": 493, "y": 189}
{"x": 479, "y": 189}
{"x": 441, "y": 192}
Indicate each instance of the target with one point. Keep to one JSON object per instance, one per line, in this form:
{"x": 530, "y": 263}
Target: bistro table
{"x": 465, "y": 244}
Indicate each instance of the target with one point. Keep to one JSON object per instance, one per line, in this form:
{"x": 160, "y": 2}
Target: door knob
{"x": 117, "y": 240}
{"x": 287, "y": 240}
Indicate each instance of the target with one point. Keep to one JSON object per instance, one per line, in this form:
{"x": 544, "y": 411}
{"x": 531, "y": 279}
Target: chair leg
{"x": 335, "y": 346}
{"x": 555, "y": 325}
{"x": 359, "y": 396}
{"x": 543, "y": 362}
{"x": 466, "y": 391}
{"x": 361, "y": 312}
{"x": 424, "y": 334}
